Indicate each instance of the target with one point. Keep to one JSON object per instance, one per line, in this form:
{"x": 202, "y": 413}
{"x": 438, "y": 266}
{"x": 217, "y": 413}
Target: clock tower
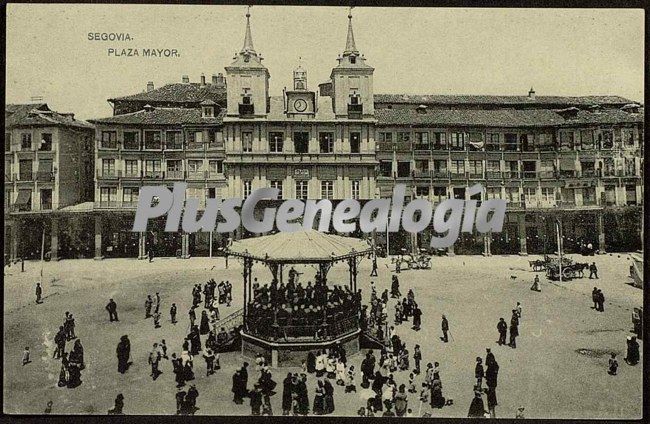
{"x": 352, "y": 92}
{"x": 248, "y": 81}
{"x": 300, "y": 101}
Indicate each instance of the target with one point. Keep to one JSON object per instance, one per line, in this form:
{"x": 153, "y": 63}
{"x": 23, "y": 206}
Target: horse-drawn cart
{"x": 569, "y": 269}
{"x": 421, "y": 260}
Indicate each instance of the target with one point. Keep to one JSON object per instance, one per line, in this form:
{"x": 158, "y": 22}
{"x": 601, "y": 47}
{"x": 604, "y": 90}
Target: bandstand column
{"x": 142, "y": 245}
{"x": 185, "y": 246}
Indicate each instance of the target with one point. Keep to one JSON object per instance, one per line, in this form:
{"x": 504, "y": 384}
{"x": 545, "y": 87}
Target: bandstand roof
{"x": 299, "y": 247}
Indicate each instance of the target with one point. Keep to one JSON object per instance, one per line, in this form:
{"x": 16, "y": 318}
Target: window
{"x": 152, "y": 168}
{"x": 356, "y": 194}
{"x": 530, "y": 194}
{"x": 109, "y": 140}
{"x": 628, "y": 137}
{"x": 355, "y": 142}
{"x": 493, "y": 166}
{"x": 403, "y": 137}
{"x": 108, "y": 167}
{"x": 589, "y": 195}
{"x": 545, "y": 142}
{"x": 152, "y": 140}
{"x": 492, "y": 142}
{"x": 25, "y": 170}
{"x": 530, "y": 168}
{"x": 422, "y": 191}
{"x": 439, "y": 194}
{"x": 174, "y": 169}
{"x": 439, "y": 141}
{"x": 174, "y": 140}
{"x": 7, "y": 142}
{"x": 195, "y": 137}
{"x": 548, "y": 195}
{"x": 512, "y": 169}
{"x": 567, "y": 140}
{"x": 440, "y": 168}
{"x": 212, "y": 193}
{"x": 422, "y": 140}
{"x": 327, "y": 189}
{"x": 247, "y": 141}
{"x": 458, "y": 141}
{"x": 386, "y": 168}
{"x": 130, "y": 195}
{"x": 606, "y": 139}
{"x": 132, "y": 140}
{"x": 46, "y": 142}
{"x": 587, "y": 139}
{"x": 527, "y": 142}
{"x": 108, "y": 196}
{"x": 630, "y": 167}
{"x": 277, "y": 184}
{"x": 493, "y": 193}
{"x": 247, "y": 188}
{"x": 26, "y": 141}
{"x": 326, "y": 142}
{"x": 302, "y": 191}
{"x": 610, "y": 195}
{"x": 403, "y": 169}
{"x": 208, "y": 112}
{"x": 131, "y": 168}
{"x": 46, "y": 199}
{"x": 510, "y": 142}
{"x": 458, "y": 167}
{"x": 195, "y": 167}
{"x": 630, "y": 195}
{"x": 24, "y": 200}
{"x": 459, "y": 192}
{"x": 215, "y": 138}
{"x": 301, "y": 142}
{"x": 385, "y": 137}
{"x": 512, "y": 195}
{"x": 215, "y": 167}
{"x": 476, "y": 168}
{"x": 276, "y": 142}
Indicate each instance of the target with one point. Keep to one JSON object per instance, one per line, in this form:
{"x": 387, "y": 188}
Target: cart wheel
{"x": 568, "y": 273}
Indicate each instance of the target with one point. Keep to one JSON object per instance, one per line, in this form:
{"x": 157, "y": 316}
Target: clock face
{"x": 300, "y": 105}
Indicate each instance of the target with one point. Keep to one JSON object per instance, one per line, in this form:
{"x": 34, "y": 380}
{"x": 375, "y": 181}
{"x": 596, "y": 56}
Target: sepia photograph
{"x": 338, "y": 211}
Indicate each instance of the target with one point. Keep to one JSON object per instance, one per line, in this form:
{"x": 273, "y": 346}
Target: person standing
{"x": 208, "y": 355}
{"x": 492, "y": 401}
{"x": 180, "y": 400}
{"x": 479, "y": 373}
{"x": 477, "y": 407}
{"x": 593, "y": 271}
{"x": 39, "y": 292}
{"x": 594, "y": 298}
{"x": 492, "y": 373}
{"x": 123, "y": 352}
{"x": 154, "y": 360}
{"x": 147, "y": 306}
{"x": 112, "y": 310}
{"x": 192, "y": 315}
{"x": 119, "y": 406}
{"x": 417, "y": 317}
{"x": 518, "y": 309}
{"x": 373, "y": 273}
{"x": 632, "y": 357}
{"x": 150, "y": 254}
{"x": 601, "y": 301}
{"x": 445, "y": 329}
{"x": 172, "y": 313}
{"x": 514, "y": 329}
{"x": 417, "y": 357}
{"x": 502, "y": 327}
{"x": 190, "y": 399}
{"x": 157, "y": 303}
{"x": 156, "y": 319}
{"x": 287, "y": 394}
{"x": 26, "y": 359}
{"x": 613, "y": 365}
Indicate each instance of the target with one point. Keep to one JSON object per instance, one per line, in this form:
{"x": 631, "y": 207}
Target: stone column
{"x": 185, "y": 246}
{"x": 142, "y": 245}
{"x": 487, "y": 238}
{"x": 54, "y": 243}
{"x": 601, "y": 232}
{"x": 98, "y": 238}
{"x": 523, "y": 251}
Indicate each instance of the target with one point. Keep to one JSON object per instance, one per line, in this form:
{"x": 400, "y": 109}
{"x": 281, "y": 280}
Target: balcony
{"x": 590, "y": 173}
{"x": 385, "y": 146}
{"x": 422, "y": 147}
{"x": 441, "y": 174}
{"x": 540, "y": 204}
{"x": 405, "y": 146}
{"x": 246, "y": 109}
{"x": 355, "y": 111}
{"x": 195, "y": 146}
{"x": 174, "y": 175}
{"x": 515, "y": 205}
{"x": 45, "y": 176}
{"x": 107, "y": 204}
{"x": 197, "y": 175}
{"x": 458, "y": 175}
{"x": 131, "y": 174}
{"x": 547, "y": 175}
{"x": 109, "y": 173}
{"x": 529, "y": 175}
{"x": 476, "y": 175}
{"x": 510, "y": 174}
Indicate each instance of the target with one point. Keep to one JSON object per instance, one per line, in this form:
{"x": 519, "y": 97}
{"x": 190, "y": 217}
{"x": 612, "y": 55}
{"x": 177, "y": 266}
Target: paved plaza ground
{"x": 559, "y": 369}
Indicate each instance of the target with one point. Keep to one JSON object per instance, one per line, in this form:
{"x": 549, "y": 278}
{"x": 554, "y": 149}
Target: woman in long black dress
{"x": 287, "y": 392}
{"x": 311, "y": 363}
{"x": 205, "y": 323}
{"x": 319, "y": 399}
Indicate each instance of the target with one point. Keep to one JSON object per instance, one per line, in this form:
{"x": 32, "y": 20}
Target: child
{"x": 26, "y": 356}
{"x": 350, "y": 387}
{"x": 412, "y": 388}
{"x": 613, "y": 365}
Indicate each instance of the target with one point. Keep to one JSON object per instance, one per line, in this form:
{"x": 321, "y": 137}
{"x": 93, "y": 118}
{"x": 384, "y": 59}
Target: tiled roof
{"x": 180, "y": 93}
{"x": 39, "y": 114}
{"x": 499, "y": 117}
{"x": 162, "y": 116}
{"x": 442, "y": 99}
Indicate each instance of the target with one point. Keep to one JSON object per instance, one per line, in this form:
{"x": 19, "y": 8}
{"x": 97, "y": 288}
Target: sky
{"x": 570, "y": 52}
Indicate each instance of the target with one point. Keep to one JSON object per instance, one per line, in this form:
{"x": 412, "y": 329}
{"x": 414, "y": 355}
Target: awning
{"x": 568, "y": 164}
{"x": 24, "y": 197}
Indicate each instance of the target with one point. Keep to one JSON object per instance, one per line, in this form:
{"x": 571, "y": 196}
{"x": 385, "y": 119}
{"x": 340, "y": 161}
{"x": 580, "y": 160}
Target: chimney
{"x": 202, "y": 79}
{"x": 186, "y": 79}
{"x": 214, "y": 79}
{"x": 150, "y": 86}
{"x": 219, "y": 80}
{"x": 531, "y": 94}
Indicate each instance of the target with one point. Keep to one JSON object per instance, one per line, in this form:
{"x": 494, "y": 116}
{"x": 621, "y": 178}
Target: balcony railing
{"x": 421, "y": 173}
{"x": 109, "y": 173}
{"x": 174, "y": 174}
{"x": 197, "y": 175}
{"x": 529, "y": 175}
{"x": 476, "y": 175}
{"x": 458, "y": 175}
{"x": 246, "y": 109}
{"x": 26, "y": 176}
{"x": 153, "y": 174}
{"x": 355, "y": 111}
{"x": 515, "y": 205}
{"x": 45, "y": 176}
{"x": 444, "y": 174}
{"x": 195, "y": 146}
{"x": 493, "y": 175}
{"x": 546, "y": 175}
{"x": 510, "y": 174}
{"x": 131, "y": 174}
{"x": 422, "y": 147}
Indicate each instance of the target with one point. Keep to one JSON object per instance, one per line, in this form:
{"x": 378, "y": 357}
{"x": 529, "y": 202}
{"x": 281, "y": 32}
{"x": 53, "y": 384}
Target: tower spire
{"x": 350, "y": 46}
{"x": 248, "y": 38}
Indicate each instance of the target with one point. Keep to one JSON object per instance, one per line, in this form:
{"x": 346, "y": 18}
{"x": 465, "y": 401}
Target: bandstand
{"x": 280, "y": 321}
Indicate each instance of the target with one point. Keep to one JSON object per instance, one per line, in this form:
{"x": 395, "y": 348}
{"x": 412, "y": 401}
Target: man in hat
{"x": 148, "y": 303}
{"x": 39, "y": 292}
{"x": 112, "y": 310}
{"x": 502, "y": 327}
{"x": 593, "y": 271}
{"x": 123, "y": 352}
{"x": 172, "y": 313}
{"x": 154, "y": 361}
{"x": 445, "y": 329}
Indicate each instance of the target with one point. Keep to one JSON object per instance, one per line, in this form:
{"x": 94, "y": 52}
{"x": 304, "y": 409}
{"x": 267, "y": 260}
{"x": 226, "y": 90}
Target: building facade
{"x": 576, "y": 162}
{"x": 48, "y": 169}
